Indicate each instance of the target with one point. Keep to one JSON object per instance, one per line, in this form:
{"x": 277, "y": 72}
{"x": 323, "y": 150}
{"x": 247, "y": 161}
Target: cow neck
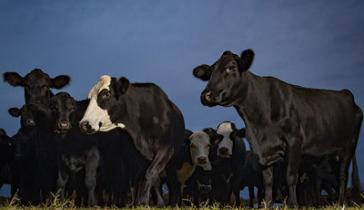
{"x": 249, "y": 104}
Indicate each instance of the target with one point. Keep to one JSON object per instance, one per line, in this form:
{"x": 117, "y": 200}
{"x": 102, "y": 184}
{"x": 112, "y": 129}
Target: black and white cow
{"x": 284, "y": 121}
{"x": 153, "y": 121}
{"x": 227, "y": 157}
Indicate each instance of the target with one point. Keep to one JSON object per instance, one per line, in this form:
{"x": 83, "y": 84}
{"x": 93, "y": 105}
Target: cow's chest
{"x": 185, "y": 172}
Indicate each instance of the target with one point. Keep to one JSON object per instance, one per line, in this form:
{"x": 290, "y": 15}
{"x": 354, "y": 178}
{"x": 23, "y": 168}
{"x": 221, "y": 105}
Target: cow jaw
{"x": 98, "y": 118}
{"x": 225, "y": 129}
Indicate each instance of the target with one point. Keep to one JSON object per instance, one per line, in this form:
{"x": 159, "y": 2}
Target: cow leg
{"x": 344, "y": 168}
{"x": 237, "y": 197}
{"x": 92, "y": 163}
{"x": 268, "y": 184}
{"x": 61, "y": 182}
{"x": 251, "y": 196}
{"x": 293, "y": 162}
{"x": 157, "y": 193}
{"x": 156, "y": 167}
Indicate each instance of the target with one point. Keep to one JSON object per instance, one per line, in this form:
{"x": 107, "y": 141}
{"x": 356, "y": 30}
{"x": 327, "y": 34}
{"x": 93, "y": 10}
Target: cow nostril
{"x": 223, "y": 150}
{"x": 30, "y": 122}
{"x": 100, "y": 124}
{"x": 208, "y": 96}
{"x": 85, "y": 126}
{"x": 202, "y": 160}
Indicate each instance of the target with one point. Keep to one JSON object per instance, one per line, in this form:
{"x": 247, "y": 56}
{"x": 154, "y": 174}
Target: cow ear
{"x": 124, "y": 84}
{"x": 15, "y": 112}
{"x": 60, "y": 81}
{"x": 13, "y": 78}
{"x": 246, "y": 59}
{"x": 202, "y": 72}
{"x": 214, "y": 137}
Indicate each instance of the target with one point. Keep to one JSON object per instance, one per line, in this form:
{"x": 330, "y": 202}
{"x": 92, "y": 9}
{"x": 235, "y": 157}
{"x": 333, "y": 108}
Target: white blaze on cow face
{"x": 200, "y": 149}
{"x": 225, "y": 129}
{"x": 98, "y": 118}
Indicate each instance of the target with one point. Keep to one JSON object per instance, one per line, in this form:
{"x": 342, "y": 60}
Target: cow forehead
{"x": 200, "y": 138}
{"x": 224, "y": 128}
{"x": 103, "y": 83}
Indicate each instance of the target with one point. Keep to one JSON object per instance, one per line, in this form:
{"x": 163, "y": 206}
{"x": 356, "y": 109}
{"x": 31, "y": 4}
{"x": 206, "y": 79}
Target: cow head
{"x": 64, "y": 109}
{"x": 103, "y": 112}
{"x": 224, "y": 78}
{"x": 27, "y": 120}
{"x": 200, "y": 144}
{"x": 229, "y": 134}
{"x": 36, "y": 84}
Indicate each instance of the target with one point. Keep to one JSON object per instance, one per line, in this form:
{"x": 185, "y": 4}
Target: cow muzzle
{"x": 208, "y": 98}
{"x": 86, "y": 127}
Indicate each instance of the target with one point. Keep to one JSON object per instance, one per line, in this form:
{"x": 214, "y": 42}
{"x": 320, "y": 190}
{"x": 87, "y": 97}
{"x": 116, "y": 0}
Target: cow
{"x": 111, "y": 153}
{"x": 227, "y": 157}
{"x": 284, "y": 121}
{"x": 186, "y": 180}
{"x": 34, "y": 165}
{"x": 249, "y": 175}
{"x": 6, "y": 157}
{"x": 36, "y": 84}
{"x": 153, "y": 121}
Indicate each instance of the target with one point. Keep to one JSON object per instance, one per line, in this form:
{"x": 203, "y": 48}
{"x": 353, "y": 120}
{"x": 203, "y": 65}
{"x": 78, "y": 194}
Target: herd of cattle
{"x": 126, "y": 144}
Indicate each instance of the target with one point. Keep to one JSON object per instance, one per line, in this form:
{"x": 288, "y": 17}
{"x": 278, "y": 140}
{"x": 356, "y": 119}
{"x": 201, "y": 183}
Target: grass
{"x": 56, "y": 204}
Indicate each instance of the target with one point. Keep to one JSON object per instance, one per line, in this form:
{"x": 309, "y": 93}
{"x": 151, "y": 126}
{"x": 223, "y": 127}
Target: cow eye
{"x": 229, "y": 69}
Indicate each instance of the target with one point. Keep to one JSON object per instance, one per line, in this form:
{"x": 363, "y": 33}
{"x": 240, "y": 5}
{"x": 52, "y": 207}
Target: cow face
{"x": 229, "y": 134}
{"x": 36, "y": 84}
{"x": 103, "y": 111}
{"x": 224, "y": 78}
{"x": 63, "y": 108}
{"x": 27, "y": 119}
{"x": 200, "y": 148}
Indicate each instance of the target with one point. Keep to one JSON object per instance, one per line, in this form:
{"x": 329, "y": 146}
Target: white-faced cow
{"x": 192, "y": 156}
{"x": 284, "y": 120}
{"x": 153, "y": 121}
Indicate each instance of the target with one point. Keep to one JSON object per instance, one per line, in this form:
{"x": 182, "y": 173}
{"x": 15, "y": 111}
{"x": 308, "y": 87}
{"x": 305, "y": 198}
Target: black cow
{"x": 284, "y": 120}
{"x": 153, "y": 121}
{"x": 36, "y": 85}
{"x": 34, "y": 154}
{"x": 107, "y": 152}
{"x": 6, "y": 157}
{"x": 249, "y": 175}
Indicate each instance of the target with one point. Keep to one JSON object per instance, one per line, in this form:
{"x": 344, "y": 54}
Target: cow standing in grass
{"x": 154, "y": 122}
{"x": 284, "y": 121}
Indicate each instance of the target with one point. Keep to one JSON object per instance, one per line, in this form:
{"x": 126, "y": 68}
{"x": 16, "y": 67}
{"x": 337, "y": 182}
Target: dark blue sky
{"x": 315, "y": 44}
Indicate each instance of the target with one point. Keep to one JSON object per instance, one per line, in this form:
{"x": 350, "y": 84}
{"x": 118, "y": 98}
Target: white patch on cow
{"x": 200, "y": 147}
{"x": 94, "y": 114}
{"x": 225, "y": 129}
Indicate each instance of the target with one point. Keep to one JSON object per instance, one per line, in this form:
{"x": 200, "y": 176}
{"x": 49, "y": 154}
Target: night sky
{"x": 316, "y": 44}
